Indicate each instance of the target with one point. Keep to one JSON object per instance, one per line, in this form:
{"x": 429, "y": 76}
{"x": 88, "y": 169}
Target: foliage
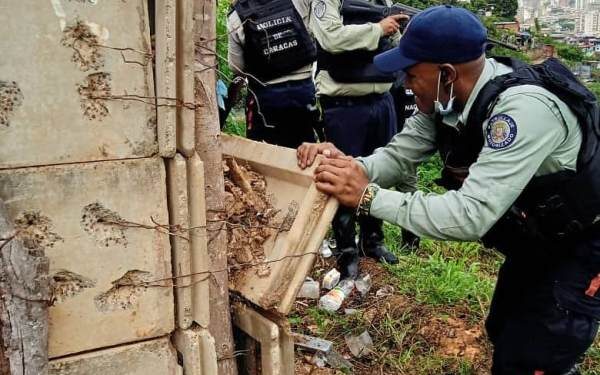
{"x": 222, "y": 40}
{"x": 506, "y": 9}
{"x": 594, "y": 87}
{"x": 569, "y": 53}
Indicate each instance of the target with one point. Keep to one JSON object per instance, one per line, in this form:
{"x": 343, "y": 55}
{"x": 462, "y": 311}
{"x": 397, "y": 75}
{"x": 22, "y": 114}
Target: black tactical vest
{"x": 355, "y": 66}
{"x": 553, "y": 207}
{"x": 277, "y": 42}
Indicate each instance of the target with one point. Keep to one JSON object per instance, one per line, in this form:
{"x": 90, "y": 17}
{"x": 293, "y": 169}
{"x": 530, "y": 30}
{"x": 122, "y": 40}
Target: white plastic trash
{"x": 331, "y": 279}
{"x": 364, "y": 284}
{"x": 310, "y": 289}
{"x": 359, "y": 345}
{"x": 326, "y": 250}
{"x": 333, "y": 300}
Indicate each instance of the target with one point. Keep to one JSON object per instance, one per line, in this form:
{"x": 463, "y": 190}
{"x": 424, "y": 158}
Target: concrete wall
{"x": 155, "y": 357}
{"x": 56, "y": 80}
{"x": 70, "y": 210}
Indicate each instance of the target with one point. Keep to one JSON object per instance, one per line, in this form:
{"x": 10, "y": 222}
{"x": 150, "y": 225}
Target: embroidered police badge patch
{"x": 320, "y": 8}
{"x": 501, "y": 131}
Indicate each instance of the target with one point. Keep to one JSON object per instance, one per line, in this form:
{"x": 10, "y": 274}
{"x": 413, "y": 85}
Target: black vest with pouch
{"x": 277, "y": 42}
{"x": 555, "y": 207}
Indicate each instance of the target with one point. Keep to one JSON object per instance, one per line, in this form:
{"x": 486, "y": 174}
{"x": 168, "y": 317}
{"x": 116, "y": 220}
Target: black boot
{"x": 347, "y": 262}
{"x": 371, "y": 241}
{"x": 373, "y": 247}
{"x": 347, "y": 253}
{"x": 410, "y": 240}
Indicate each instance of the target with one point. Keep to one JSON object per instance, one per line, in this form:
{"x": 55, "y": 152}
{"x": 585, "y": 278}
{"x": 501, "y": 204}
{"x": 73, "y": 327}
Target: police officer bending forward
{"x": 270, "y": 45}
{"x": 520, "y": 146}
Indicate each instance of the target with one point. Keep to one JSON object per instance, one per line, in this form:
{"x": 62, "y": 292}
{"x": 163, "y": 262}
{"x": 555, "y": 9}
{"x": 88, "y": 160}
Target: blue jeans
{"x": 357, "y": 126}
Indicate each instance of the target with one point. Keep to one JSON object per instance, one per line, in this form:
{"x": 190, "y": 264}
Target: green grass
{"x": 438, "y": 280}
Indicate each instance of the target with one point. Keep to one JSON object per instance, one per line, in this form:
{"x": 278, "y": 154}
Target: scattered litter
{"x": 325, "y": 249}
{"x": 359, "y": 345}
{"x": 333, "y": 300}
{"x": 331, "y": 279}
{"x": 310, "y": 289}
{"x": 332, "y": 244}
{"x": 364, "y": 284}
{"x": 312, "y": 343}
{"x": 336, "y": 361}
{"x": 385, "y": 291}
{"x": 350, "y": 311}
{"x": 318, "y": 360}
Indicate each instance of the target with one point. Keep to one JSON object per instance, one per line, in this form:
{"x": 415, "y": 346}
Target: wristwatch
{"x": 364, "y": 205}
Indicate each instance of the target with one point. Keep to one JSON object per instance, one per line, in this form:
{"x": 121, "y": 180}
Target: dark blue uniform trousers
{"x": 545, "y": 310}
{"x": 283, "y": 114}
{"x": 357, "y": 126}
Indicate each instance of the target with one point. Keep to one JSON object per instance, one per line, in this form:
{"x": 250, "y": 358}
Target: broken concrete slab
{"x": 166, "y": 77}
{"x": 197, "y": 348}
{"x": 276, "y": 343}
{"x": 154, "y": 357}
{"x": 96, "y": 223}
{"x": 89, "y": 88}
{"x": 290, "y": 254}
{"x": 198, "y": 242}
{"x": 180, "y": 243}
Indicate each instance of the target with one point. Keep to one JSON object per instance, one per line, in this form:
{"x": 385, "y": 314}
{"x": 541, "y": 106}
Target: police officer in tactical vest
{"x": 521, "y": 151}
{"x": 269, "y": 44}
{"x": 358, "y": 111}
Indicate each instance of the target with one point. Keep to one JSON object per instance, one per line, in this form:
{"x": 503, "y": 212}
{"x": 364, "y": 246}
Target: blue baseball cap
{"x": 440, "y": 34}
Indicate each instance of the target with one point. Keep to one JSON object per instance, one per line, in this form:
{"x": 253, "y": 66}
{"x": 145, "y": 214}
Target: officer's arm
{"x": 335, "y": 37}
{"x": 235, "y": 54}
{"x": 397, "y": 161}
{"x": 495, "y": 180}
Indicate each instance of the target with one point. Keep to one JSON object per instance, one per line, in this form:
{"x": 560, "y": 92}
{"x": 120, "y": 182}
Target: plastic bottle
{"x": 333, "y": 300}
{"x": 325, "y": 249}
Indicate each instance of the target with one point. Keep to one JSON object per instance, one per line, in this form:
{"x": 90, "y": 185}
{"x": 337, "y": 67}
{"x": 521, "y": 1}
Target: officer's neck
{"x": 468, "y": 75}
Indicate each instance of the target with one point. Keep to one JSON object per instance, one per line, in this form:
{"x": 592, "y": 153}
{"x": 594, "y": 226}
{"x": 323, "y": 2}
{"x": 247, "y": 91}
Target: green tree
{"x": 506, "y": 9}
{"x": 569, "y": 53}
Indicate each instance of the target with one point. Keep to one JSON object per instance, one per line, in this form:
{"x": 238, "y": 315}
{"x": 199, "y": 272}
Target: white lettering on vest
{"x": 275, "y": 22}
{"x": 280, "y": 47}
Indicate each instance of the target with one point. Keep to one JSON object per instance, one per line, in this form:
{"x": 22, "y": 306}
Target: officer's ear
{"x": 449, "y": 74}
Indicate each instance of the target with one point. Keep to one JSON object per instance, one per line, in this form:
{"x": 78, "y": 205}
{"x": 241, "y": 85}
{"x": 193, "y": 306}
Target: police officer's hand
{"x": 343, "y": 178}
{"x": 307, "y": 152}
{"x": 391, "y": 24}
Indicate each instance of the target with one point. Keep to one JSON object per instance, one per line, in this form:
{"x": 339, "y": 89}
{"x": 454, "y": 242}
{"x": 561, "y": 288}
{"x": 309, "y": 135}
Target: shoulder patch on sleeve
{"x": 320, "y": 8}
{"x": 501, "y": 131}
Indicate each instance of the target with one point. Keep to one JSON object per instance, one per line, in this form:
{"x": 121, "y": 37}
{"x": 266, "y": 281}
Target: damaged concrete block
{"x": 198, "y": 239}
{"x": 180, "y": 243}
{"x": 80, "y": 77}
{"x": 276, "y": 343}
{"x": 103, "y": 227}
{"x": 154, "y": 357}
{"x": 166, "y": 80}
{"x": 304, "y": 214}
{"x": 197, "y": 348}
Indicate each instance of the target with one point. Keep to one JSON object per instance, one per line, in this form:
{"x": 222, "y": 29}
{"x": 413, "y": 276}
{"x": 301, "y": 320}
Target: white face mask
{"x": 438, "y": 106}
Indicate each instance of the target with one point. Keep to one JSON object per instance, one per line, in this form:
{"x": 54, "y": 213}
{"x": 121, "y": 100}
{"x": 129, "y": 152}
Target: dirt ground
{"x": 403, "y": 331}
